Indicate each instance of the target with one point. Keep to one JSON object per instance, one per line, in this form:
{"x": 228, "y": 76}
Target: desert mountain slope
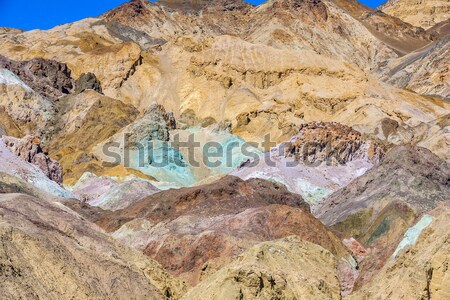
{"x": 423, "y": 14}
{"x": 50, "y": 252}
{"x": 212, "y": 224}
{"x": 378, "y": 207}
{"x": 410, "y": 174}
{"x": 424, "y": 71}
{"x": 423, "y": 261}
{"x": 127, "y": 142}
{"x": 283, "y": 269}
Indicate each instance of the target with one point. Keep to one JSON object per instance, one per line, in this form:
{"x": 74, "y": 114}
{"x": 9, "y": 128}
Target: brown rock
{"x": 49, "y": 78}
{"x": 333, "y": 143}
{"x": 194, "y": 231}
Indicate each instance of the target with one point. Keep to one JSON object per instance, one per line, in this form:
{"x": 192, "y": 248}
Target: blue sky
{"x": 45, "y": 14}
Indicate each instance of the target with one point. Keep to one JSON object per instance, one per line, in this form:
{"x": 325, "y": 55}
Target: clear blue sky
{"x": 45, "y": 14}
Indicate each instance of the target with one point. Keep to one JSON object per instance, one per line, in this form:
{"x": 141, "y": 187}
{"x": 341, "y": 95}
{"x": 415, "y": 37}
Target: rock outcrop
{"x": 49, "y": 78}
{"x": 424, "y": 264}
{"x": 407, "y": 174}
{"x": 153, "y": 125}
{"x": 378, "y": 207}
{"x": 88, "y": 81}
{"x": 14, "y": 165}
{"x": 83, "y": 121}
{"x": 320, "y": 159}
{"x": 29, "y": 149}
{"x": 28, "y": 111}
{"x": 331, "y": 143}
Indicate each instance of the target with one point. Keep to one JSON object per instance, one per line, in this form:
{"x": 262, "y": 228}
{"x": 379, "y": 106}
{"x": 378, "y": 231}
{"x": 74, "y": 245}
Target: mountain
{"x": 215, "y": 149}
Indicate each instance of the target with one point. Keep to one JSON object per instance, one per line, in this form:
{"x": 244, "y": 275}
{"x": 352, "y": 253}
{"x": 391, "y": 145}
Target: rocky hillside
{"x": 182, "y": 149}
{"x": 49, "y": 252}
{"x": 423, "y": 14}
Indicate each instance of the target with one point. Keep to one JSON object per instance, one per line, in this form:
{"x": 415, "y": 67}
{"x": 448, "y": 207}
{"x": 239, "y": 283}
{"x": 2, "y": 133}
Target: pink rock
{"x": 29, "y": 149}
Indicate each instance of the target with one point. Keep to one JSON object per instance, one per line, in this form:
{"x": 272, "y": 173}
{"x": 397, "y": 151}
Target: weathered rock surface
{"x": 192, "y": 232}
{"x": 331, "y": 143}
{"x": 13, "y": 165}
{"x": 424, "y": 71}
{"x": 320, "y": 159}
{"x": 124, "y": 194}
{"x": 153, "y": 125}
{"x": 258, "y": 68}
{"x": 229, "y": 194}
{"x": 49, "y": 78}
{"x": 378, "y": 207}
{"x": 29, "y": 149}
{"x": 407, "y": 174}
{"x": 83, "y": 121}
{"x": 88, "y": 81}
{"x": 8, "y": 126}
{"x": 26, "y": 111}
{"x": 229, "y": 72}
{"x": 419, "y": 271}
{"x": 419, "y": 13}
{"x": 107, "y": 193}
{"x": 48, "y": 251}
{"x": 283, "y": 269}
{"x": 10, "y": 184}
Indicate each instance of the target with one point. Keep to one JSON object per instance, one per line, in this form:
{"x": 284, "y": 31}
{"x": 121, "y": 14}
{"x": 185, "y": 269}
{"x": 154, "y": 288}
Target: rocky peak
{"x": 195, "y": 5}
{"x": 131, "y": 9}
{"x": 153, "y": 125}
{"x": 316, "y": 9}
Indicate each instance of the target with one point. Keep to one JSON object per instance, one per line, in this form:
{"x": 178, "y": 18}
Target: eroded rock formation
{"x": 29, "y": 149}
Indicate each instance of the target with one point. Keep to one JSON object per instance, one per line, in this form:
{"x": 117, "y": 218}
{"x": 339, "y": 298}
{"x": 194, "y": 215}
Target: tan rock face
{"x": 284, "y": 269}
{"x": 84, "y": 120}
{"x": 47, "y": 251}
{"x": 421, "y": 13}
{"x": 85, "y": 46}
{"x": 424, "y": 71}
{"x": 28, "y": 112}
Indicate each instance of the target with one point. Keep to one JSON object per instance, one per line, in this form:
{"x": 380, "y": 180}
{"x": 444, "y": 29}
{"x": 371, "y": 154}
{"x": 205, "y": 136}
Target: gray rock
{"x": 88, "y": 81}
{"x": 154, "y": 125}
